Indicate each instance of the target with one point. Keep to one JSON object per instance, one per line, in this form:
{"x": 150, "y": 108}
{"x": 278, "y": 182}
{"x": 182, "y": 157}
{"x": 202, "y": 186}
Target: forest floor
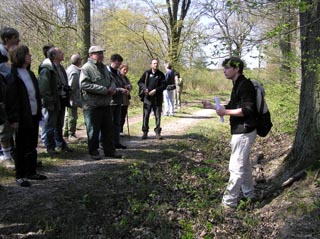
{"x": 118, "y": 198}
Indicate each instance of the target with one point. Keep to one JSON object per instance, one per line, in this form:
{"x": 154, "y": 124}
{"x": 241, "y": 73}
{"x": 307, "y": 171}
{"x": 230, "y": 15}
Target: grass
{"x": 173, "y": 191}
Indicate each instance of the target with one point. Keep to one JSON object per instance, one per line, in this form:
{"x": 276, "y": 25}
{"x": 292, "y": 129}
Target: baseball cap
{"x": 93, "y": 49}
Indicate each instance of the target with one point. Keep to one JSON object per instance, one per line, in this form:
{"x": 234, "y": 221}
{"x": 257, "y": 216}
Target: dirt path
{"x": 19, "y": 202}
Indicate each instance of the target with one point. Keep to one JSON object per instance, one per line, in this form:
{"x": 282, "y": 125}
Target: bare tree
{"x": 234, "y": 28}
{"x": 172, "y": 15}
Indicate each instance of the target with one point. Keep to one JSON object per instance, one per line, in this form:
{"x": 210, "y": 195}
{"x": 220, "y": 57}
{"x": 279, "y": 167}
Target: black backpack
{"x": 264, "y": 123}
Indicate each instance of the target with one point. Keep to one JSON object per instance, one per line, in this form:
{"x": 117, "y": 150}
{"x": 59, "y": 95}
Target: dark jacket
{"x": 117, "y": 98}
{"x": 18, "y": 95}
{"x": 152, "y": 81}
{"x": 3, "y": 86}
{"x": 170, "y": 79}
{"x": 48, "y": 84}
{"x": 243, "y": 96}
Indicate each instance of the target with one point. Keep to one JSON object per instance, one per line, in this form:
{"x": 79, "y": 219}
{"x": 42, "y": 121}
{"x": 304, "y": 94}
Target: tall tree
{"x": 233, "y": 27}
{"x": 172, "y": 14}
{"x": 83, "y": 27}
{"x": 305, "y": 151}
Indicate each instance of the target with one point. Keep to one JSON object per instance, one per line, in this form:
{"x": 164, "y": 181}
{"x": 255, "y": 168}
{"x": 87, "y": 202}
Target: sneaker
{"x": 22, "y": 182}
{"x": 120, "y": 146}
{"x": 37, "y": 177}
{"x": 144, "y": 136}
{"x": 158, "y": 136}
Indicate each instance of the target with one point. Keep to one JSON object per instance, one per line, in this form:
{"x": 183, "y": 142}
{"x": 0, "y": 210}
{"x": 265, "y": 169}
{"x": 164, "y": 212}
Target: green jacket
{"x": 94, "y": 83}
{"x": 48, "y": 85}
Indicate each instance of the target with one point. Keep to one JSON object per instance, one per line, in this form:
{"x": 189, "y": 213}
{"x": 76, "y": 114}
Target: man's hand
{"x": 153, "y": 92}
{"x": 207, "y": 105}
{"x": 124, "y": 91}
{"x": 111, "y": 91}
{"x": 221, "y": 111}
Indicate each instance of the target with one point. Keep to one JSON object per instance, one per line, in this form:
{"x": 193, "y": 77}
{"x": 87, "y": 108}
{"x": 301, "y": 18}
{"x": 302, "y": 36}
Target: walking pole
{"x": 128, "y": 125}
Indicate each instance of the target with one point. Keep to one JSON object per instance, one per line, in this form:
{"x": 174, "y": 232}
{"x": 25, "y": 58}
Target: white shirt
{"x": 25, "y": 77}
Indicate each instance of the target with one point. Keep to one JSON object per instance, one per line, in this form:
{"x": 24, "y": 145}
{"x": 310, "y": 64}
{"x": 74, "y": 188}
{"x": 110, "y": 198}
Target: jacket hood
{"x": 46, "y": 64}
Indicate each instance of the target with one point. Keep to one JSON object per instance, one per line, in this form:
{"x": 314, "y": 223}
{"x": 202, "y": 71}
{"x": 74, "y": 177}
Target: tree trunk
{"x": 83, "y": 27}
{"x": 287, "y": 42}
{"x": 306, "y": 147}
{"x": 175, "y": 25}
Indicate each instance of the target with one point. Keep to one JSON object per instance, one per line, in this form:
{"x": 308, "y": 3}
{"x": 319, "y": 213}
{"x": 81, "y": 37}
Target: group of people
{"x": 51, "y": 102}
{"x": 103, "y": 91}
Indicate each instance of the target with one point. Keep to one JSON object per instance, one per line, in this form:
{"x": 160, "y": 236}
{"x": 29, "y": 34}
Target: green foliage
{"x": 205, "y": 81}
{"x": 283, "y": 100}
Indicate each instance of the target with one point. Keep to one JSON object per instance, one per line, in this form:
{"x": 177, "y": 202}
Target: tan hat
{"x": 93, "y": 49}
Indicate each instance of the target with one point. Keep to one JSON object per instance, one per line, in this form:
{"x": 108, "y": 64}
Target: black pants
{"x": 146, "y": 115}
{"x": 116, "y": 119}
{"x": 26, "y": 150}
{"x": 124, "y": 112}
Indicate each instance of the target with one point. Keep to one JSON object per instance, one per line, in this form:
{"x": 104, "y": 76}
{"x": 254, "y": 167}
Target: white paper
{"x": 217, "y": 101}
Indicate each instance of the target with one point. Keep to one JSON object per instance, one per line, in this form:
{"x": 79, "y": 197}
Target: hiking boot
{"x": 144, "y": 136}
{"x": 158, "y": 136}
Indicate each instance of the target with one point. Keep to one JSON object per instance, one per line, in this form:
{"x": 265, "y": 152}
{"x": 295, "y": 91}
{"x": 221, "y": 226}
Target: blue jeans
{"x": 99, "y": 120}
{"x": 51, "y": 130}
{"x": 58, "y": 137}
{"x": 48, "y": 125}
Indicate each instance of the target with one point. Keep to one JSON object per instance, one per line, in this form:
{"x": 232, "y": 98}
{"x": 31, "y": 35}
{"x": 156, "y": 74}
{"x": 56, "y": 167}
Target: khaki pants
{"x": 240, "y": 169}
